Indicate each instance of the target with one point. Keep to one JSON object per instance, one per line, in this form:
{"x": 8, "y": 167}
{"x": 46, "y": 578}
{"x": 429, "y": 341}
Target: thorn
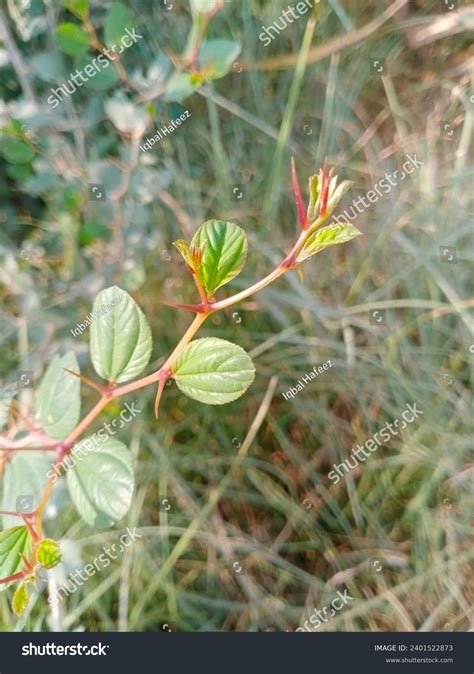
{"x": 298, "y": 197}
{"x": 159, "y": 393}
{"x": 89, "y": 382}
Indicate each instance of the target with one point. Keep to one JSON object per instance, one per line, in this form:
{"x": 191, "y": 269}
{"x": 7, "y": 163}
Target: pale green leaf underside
{"x": 224, "y": 246}
{"x": 325, "y": 237}
{"x": 101, "y": 484}
{"x": 13, "y": 542}
{"x": 213, "y": 371}
{"x": 58, "y": 401}
{"x": 120, "y": 339}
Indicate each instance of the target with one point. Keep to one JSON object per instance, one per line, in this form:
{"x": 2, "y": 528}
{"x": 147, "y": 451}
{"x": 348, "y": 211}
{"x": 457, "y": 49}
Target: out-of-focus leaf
{"x": 16, "y": 151}
{"x": 72, "y": 39}
{"x": 48, "y": 66}
{"x": 217, "y": 56}
{"x": 78, "y": 7}
{"x": 91, "y": 231}
{"x": 103, "y": 77}
{"x": 117, "y": 20}
{"x": 179, "y": 86}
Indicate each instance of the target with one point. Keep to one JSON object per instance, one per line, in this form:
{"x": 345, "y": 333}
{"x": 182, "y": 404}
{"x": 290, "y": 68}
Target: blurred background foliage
{"x": 255, "y": 543}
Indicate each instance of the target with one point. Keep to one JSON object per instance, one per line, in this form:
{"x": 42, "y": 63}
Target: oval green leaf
{"x": 72, "y": 39}
{"x": 78, "y": 7}
{"x": 101, "y": 484}
{"x": 16, "y": 151}
{"x": 20, "y": 599}
{"x": 224, "y": 247}
{"x": 13, "y": 543}
{"x": 325, "y": 237}
{"x": 48, "y": 553}
{"x": 213, "y": 371}
{"x": 58, "y": 401}
{"x": 117, "y": 20}
{"x": 120, "y": 337}
{"x": 180, "y": 86}
{"x": 217, "y": 56}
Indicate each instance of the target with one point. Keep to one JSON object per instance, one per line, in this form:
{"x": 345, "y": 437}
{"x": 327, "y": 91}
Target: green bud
{"x": 48, "y": 553}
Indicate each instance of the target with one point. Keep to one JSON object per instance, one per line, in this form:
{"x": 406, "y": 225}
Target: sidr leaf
{"x": 58, "y": 401}
{"x": 48, "y": 553}
{"x": 120, "y": 337}
{"x": 217, "y": 56}
{"x": 16, "y": 151}
{"x": 20, "y": 599}
{"x": 72, "y": 39}
{"x": 213, "y": 371}
{"x": 101, "y": 484}
{"x": 117, "y": 20}
{"x": 325, "y": 237}
{"x": 14, "y": 543}
{"x": 78, "y": 7}
{"x": 224, "y": 247}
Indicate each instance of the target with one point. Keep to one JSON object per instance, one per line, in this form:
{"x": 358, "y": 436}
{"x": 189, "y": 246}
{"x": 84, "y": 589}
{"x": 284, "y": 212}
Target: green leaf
{"x": 313, "y": 206}
{"x": 336, "y": 194}
{"x": 59, "y": 397}
{"x": 16, "y": 151}
{"x": 13, "y": 543}
{"x": 25, "y": 478}
{"x": 72, "y": 39}
{"x": 181, "y": 85}
{"x": 213, "y": 371}
{"x": 101, "y": 484}
{"x": 92, "y": 230}
{"x": 20, "y": 599}
{"x": 101, "y": 79}
{"x": 185, "y": 251}
{"x": 120, "y": 338}
{"x": 117, "y": 19}
{"x": 325, "y": 237}
{"x": 217, "y": 56}
{"x": 78, "y": 7}
{"x": 48, "y": 553}
{"x": 48, "y": 66}
{"x": 224, "y": 246}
